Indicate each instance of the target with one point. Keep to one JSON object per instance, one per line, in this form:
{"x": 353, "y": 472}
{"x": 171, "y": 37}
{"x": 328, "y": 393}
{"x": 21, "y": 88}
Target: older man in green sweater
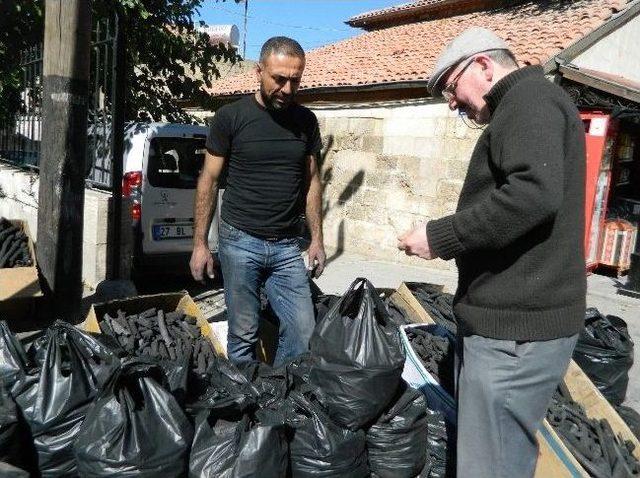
{"x": 517, "y": 238}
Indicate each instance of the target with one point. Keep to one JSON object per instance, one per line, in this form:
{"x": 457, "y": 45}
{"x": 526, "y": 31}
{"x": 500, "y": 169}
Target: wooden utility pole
{"x": 67, "y": 43}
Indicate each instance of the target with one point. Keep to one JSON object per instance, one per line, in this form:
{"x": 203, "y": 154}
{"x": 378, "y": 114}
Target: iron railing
{"x": 20, "y": 136}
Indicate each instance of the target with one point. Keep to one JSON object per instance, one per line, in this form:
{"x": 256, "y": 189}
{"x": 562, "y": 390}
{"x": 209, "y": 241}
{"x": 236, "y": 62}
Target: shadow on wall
{"x": 347, "y": 193}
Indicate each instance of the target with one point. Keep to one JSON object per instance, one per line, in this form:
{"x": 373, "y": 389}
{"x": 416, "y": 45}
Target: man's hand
{"x": 317, "y": 258}
{"x": 415, "y": 242}
{"x": 201, "y": 259}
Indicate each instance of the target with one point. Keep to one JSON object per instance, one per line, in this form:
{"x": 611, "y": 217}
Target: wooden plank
{"x": 398, "y": 300}
{"x": 554, "y": 458}
{"x": 584, "y": 392}
{"x": 422, "y": 315}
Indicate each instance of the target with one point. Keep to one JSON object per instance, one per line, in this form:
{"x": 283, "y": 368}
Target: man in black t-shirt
{"x": 268, "y": 145}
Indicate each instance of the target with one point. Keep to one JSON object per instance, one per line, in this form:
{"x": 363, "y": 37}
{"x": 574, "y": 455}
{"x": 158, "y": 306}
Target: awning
{"x": 612, "y": 84}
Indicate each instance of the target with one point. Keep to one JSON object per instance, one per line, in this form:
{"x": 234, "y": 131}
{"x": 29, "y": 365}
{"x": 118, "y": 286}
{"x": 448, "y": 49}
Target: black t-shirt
{"x": 266, "y": 155}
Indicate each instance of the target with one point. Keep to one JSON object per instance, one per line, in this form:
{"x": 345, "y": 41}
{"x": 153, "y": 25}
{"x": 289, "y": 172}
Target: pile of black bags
{"x": 605, "y": 353}
{"x": 53, "y": 392}
{"x": 81, "y": 404}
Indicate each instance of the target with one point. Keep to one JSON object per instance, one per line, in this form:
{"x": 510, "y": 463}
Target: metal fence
{"x": 20, "y": 136}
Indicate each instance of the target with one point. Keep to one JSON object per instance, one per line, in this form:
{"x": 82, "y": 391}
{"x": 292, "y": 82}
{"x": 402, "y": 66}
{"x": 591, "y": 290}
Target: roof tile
{"x": 535, "y": 30}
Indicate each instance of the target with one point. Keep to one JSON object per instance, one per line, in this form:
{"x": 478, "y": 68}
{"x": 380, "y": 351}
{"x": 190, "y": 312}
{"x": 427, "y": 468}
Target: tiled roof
{"x": 535, "y": 30}
{"x": 404, "y": 8}
{"x": 394, "y": 9}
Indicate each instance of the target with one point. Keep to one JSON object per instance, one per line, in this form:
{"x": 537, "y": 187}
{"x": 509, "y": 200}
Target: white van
{"x": 162, "y": 162}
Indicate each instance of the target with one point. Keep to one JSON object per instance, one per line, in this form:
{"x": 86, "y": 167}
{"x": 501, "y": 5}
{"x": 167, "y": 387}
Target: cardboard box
{"x": 418, "y": 377}
{"x": 21, "y": 282}
{"x": 170, "y": 302}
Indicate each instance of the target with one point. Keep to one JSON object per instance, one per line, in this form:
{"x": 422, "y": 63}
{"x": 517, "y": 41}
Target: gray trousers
{"x": 504, "y": 389}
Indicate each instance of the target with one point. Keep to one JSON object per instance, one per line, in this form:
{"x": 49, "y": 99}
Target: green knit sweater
{"x": 517, "y": 235}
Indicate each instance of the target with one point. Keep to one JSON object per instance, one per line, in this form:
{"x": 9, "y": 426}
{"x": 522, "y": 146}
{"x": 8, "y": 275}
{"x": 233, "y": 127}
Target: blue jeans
{"x": 248, "y": 262}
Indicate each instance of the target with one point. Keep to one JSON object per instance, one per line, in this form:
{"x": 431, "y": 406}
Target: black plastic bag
{"x": 224, "y": 390}
{"x": 605, "y": 353}
{"x": 358, "y": 357}
{"x": 441, "y": 447}
{"x": 272, "y": 384}
{"x": 9, "y": 471}
{"x": 322, "y": 304}
{"x": 16, "y": 443}
{"x": 14, "y": 363}
{"x": 12, "y": 439}
{"x": 397, "y": 442}
{"x": 243, "y": 448}
{"x": 56, "y": 399}
{"x": 8, "y": 426}
{"x": 319, "y": 448}
{"x": 135, "y": 428}
{"x": 631, "y": 418}
{"x": 298, "y": 370}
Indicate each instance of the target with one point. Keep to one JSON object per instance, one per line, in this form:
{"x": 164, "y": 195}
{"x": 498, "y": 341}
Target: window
{"x": 175, "y": 162}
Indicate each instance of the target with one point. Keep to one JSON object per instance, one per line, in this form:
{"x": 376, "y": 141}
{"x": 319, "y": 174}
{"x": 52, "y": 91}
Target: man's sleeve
{"x": 219, "y": 137}
{"x": 528, "y": 149}
{"x": 314, "y": 141}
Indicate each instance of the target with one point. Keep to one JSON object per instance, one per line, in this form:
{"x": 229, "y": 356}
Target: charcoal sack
{"x": 245, "y": 446}
{"x": 56, "y": 398}
{"x": 13, "y": 437}
{"x": 14, "y": 363}
{"x": 631, "y": 418}
{"x": 7, "y": 470}
{"x": 441, "y": 447}
{"x": 319, "y": 448}
{"x": 224, "y": 390}
{"x": 397, "y": 442}
{"x": 605, "y": 353}
{"x": 136, "y": 428}
{"x": 358, "y": 357}
{"x": 272, "y": 384}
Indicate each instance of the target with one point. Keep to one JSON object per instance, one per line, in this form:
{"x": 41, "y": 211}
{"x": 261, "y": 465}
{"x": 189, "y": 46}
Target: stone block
{"x": 428, "y": 147}
{"x": 456, "y": 169}
{"x": 407, "y": 168}
{"x": 371, "y": 144}
{"x": 459, "y": 149}
{"x": 387, "y": 162}
{"x": 461, "y": 130}
{"x": 430, "y": 168}
{"x": 417, "y": 127}
{"x": 440, "y": 128}
{"x": 399, "y": 145}
{"x": 365, "y": 126}
{"x": 397, "y": 199}
{"x": 347, "y": 160}
{"x": 449, "y": 190}
{"x": 383, "y": 179}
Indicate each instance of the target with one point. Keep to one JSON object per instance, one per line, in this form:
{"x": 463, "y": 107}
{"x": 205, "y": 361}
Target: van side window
{"x": 175, "y": 162}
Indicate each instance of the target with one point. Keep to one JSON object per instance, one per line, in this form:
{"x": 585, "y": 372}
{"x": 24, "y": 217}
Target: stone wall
{"x": 387, "y": 168}
{"x": 19, "y": 200}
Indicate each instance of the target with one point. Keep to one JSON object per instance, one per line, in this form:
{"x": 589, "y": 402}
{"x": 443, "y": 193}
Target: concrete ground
{"x": 602, "y": 293}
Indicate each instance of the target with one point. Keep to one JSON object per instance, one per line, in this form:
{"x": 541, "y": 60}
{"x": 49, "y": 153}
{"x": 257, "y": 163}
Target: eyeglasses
{"x": 449, "y": 91}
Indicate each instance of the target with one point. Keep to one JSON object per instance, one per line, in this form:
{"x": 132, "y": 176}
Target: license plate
{"x": 172, "y": 231}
